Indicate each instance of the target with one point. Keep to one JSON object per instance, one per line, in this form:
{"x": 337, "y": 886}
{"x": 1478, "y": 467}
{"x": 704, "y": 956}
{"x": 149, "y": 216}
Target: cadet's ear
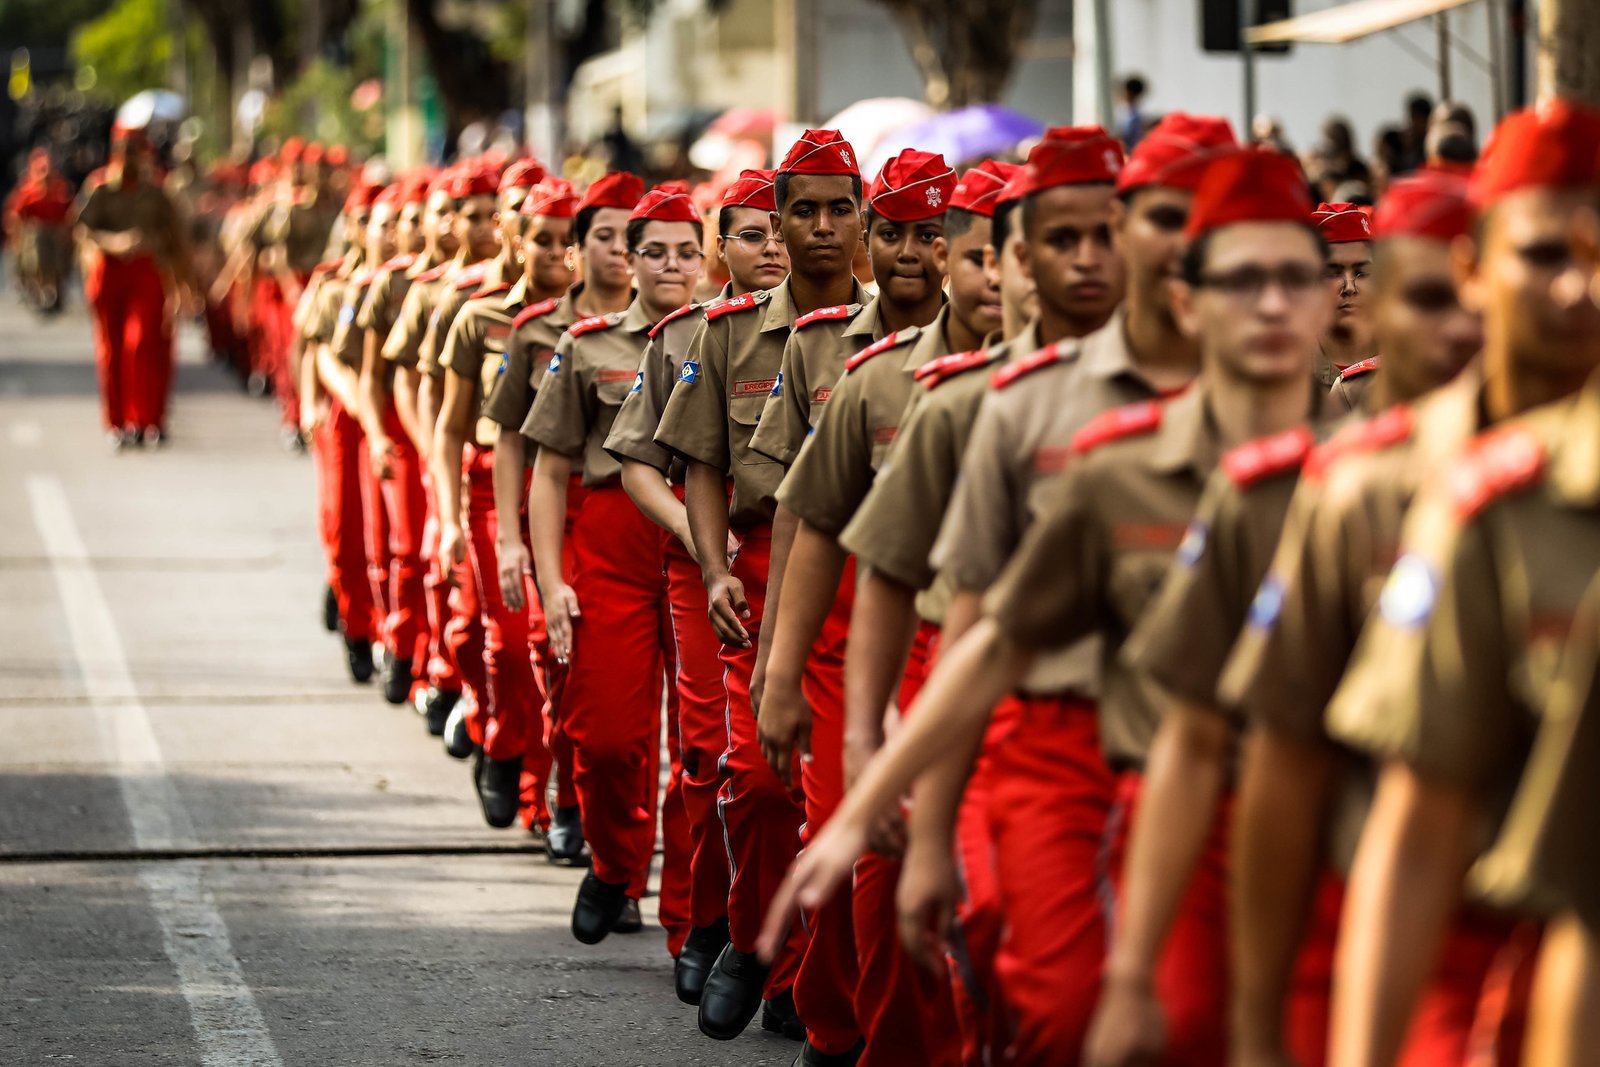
{"x": 777, "y": 222}
{"x": 1183, "y": 309}
{"x": 1024, "y": 261}
{"x": 991, "y": 265}
{"x": 1119, "y": 220}
{"x": 1465, "y": 259}
{"x": 941, "y": 255}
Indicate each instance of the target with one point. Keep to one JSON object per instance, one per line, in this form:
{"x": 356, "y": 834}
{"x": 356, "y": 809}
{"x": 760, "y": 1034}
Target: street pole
{"x": 541, "y": 113}
{"x": 1247, "y": 56}
{"x": 1441, "y": 25}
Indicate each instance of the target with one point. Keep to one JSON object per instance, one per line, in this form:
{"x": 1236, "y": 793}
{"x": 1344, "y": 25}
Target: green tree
{"x": 129, "y": 47}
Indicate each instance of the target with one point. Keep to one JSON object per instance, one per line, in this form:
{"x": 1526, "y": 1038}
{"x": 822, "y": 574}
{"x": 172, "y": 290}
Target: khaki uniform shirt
{"x": 403, "y": 345}
{"x": 476, "y": 345}
{"x": 1095, "y": 559}
{"x": 712, "y": 413}
{"x": 894, "y": 529}
{"x": 633, "y": 434}
{"x": 301, "y": 227}
{"x": 1021, "y": 441}
{"x": 838, "y": 463}
{"x": 144, "y": 206}
{"x": 1350, "y": 389}
{"x": 813, "y": 360}
{"x": 534, "y": 333}
{"x": 1457, "y": 668}
{"x": 468, "y": 283}
{"x": 593, "y": 369}
{"x": 381, "y": 309}
{"x": 310, "y": 302}
{"x": 348, "y": 337}
{"x": 323, "y": 316}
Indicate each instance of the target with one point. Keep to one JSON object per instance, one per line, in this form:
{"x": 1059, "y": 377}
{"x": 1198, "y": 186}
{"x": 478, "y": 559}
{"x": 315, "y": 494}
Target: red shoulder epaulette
{"x": 838, "y": 311}
{"x": 1383, "y": 430}
{"x": 944, "y": 368}
{"x": 730, "y": 305}
{"x": 1356, "y": 370}
{"x": 1131, "y": 421}
{"x": 491, "y": 290}
{"x": 534, "y": 311}
{"x": 401, "y": 262}
{"x": 1495, "y": 464}
{"x": 1047, "y": 356}
{"x": 669, "y": 316}
{"x": 894, "y": 340}
{"x": 471, "y": 277}
{"x": 432, "y": 274}
{"x": 590, "y": 325}
{"x": 325, "y": 266}
{"x": 1278, "y": 453}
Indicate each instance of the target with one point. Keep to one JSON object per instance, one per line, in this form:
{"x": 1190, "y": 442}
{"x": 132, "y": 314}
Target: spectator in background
{"x": 1133, "y": 123}
{"x": 1388, "y": 156}
{"x": 1419, "y": 117}
{"x": 1334, "y": 162}
{"x": 1452, "y": 142}
{"x": 621, "y": 151}
{"x": 1267, "y": 130}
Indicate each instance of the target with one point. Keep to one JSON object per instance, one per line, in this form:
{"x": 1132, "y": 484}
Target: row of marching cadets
{"x": 1010, "y": 618}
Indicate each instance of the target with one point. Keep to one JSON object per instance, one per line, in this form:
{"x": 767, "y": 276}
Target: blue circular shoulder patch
{"x": 1410, "y": 593}
{"x": 1268, "y": 603}
{"x": 1193, "y": 545}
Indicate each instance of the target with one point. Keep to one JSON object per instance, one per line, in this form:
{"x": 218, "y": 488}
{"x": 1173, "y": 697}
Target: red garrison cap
{"x": 1555, "y": 145}
{"x": 263, "y": 171}
{"x": 1343, "y": 224}
{"x": 617, "y": 189}
{"x": 912, "y": 186}
{"x": 314, "y": 154}
{"x": 552, "y": 198}
{"x": 523, "y": 174}
{"x": 1175, "y": 152}
{"x": 667, "y": 202}
{"x": 471, "y": 181}
{"x": 293, "y": 150}
{"x": 1428, "y": 203}
{"x": 1251, "y": 185}
{"x": 1072, "y": 155}
{"x": 414, "y": 188}
{"x": 337, "y": 155}
{"x": 361, "y": 198}
{"x": 820, "y": 152}
{"x": 982, "y": 188}
{"x": 393, "y": 195}
{"x": 753, "y": 188}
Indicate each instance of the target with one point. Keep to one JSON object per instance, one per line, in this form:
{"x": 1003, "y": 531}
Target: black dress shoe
{"x": 810, "y": 1057}
{"x": 597, "y": 909}
{"x": 630, "y": 921}
{"x": 499, "y": 784}
{"x": 330, "y": 610}
{"x": 358, "y": 654}
{"x": 397, "y": 681}
{"x": 696, "y": 958}
{"x": 458, "y": 743}
{"x": 731, "y": 995}
{"x": 564, "y": 843}
{"x": 437, "y": 707}
{"x": 778, "y": 1016}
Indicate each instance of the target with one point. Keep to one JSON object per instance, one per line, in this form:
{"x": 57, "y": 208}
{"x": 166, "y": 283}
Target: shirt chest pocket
{"x": 1136, "y": 577}
{"x": 611, "y": 387}
{"x": 744, "y": 412}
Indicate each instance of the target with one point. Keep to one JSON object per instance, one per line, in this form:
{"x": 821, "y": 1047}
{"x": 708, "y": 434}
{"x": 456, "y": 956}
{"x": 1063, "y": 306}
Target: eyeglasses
{"x": 1248, "y": 283}
{"x": 753, "y": 240}
{"x": 657, "y": 259}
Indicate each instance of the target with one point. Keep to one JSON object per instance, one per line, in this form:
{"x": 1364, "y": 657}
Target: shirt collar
{"x": 517, "y": 295}
{"x": 1105, "y": 352}
{"x": 1188, "y": 438}
{"x": 780, "y": 309}
{"x": 1574, "y": 470}
{"x": 634, "y": 320}
{"x": 867, "y": 322}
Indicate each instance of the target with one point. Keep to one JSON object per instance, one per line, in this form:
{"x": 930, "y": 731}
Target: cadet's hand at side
{"x": 1129, "y": 1029}
{"x": 926, "y": 903}
{"x": 515, "y": 568}
{"x": 824, "y": 865}
{"x": 728, "y": 607}
{"x": 784, "y": 724}
{"x": 560, "y": 609}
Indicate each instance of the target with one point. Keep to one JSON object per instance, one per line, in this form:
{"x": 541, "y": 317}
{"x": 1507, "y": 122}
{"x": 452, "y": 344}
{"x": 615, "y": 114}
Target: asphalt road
{"x": 214, "y": 849}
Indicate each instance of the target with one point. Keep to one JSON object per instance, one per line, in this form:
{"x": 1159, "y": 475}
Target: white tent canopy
{"x": 1347, "y": 22}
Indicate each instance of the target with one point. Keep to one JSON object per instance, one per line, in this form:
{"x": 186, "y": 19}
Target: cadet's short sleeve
{"x": 1183, "y": 641}
{"x": 95, "y": 214}
{"x": 377, "y": 310}
{"x": 786, "y": 416}
{"x": 405, "y": 340}
{"x": 561, "y": 414}
{"x": 982, "y": 525}
{"x": 633, "y": 433}
{"x": 462, "y": 351}
{"x": 511, "y": 398}
{"x": 833, "y": 472}
{"x": 349, "y": 338}
{"x": 1049, "y": 595}
{"x": 305, "y": 309}
{"x": 1430, "y": 681}
{"x": 440, "y": 323}
{"x": 694, "y": 423}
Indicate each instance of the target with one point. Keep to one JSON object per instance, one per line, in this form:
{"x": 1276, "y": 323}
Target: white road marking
{"x": 27, "y": 434}
{"x": 227, "y": 1023}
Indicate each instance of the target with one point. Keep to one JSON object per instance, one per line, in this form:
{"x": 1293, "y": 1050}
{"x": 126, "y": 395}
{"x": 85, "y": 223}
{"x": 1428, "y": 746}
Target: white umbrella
{"x": 152, "y": 105}
{"x": 866, "y": 123}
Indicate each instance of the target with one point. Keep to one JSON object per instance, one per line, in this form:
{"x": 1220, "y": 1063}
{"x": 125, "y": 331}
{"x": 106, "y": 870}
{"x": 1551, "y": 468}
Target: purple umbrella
{"x": 964, "y": 135}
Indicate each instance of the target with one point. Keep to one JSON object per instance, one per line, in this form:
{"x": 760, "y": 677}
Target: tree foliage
{"x": 129, "y": 47}
{"x": 965, "y": 49}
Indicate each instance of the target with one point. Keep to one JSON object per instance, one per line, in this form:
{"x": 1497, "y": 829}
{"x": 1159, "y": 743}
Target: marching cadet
{"x": 1347, "y": 229}
{"x": 1450, "y": 677}
{"x": 502, "y": 725}
{"x": 756, "y": 260}
{"x": 802, "y": 705}
{"x": 604, "y": 613}
{"x": 391, "y": 457}
{"x": 138, "y": 266}
{"x": 589, "y": 234}
{"x": 1253, "y": 295}
{"x": 1295, "y": 790}
{"x": 732, "y": 365}
{"x": 400, "y": 350}
{"x": 1051, "y": 790}
{"x": 337, "y": 441}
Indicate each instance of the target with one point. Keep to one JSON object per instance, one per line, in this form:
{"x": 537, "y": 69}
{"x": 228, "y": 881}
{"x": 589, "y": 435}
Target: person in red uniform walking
{"x": 138, "y": 266}
{"x": 36, "y": 231}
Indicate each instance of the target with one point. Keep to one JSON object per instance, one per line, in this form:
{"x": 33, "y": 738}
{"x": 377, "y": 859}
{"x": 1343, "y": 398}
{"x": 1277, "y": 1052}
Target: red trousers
{"x": 443, "y": 674}
{"x": 612, "y": 704}
{"x": 464, "y": 637}
{"x": 1050, "y": 795}
{"x": 975, "y": 939}
{"x": 550, "y": 676}
{"x": 271, "y": 336}
{"x": 511, "y": 696}
{"x": 405, "y": 508}
{"x": 760, "y": 817}
{"x": 702, "y": 733}
{"x": 1192, "y": 977}
{"x": 906, "y": 1013}
{"x": 824, "y": 990}
{"x": 677, "y": 848}
{"x": 132, "y": 341}
{"x": 340, "y": 461}
{"x": 375, "y": 531}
